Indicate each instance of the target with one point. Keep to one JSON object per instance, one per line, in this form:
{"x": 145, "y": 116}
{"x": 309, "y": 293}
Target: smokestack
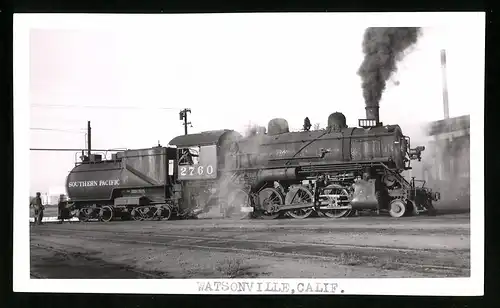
{"x": 372, "y": 113}
{"x": 445, "y": 84}
{"x": 383, "y": 48}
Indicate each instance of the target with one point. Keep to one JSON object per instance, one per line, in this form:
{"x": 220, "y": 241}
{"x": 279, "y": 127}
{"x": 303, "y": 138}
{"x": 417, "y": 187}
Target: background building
{"x": 447, "y": 163}
{"x": 52, "y": 196}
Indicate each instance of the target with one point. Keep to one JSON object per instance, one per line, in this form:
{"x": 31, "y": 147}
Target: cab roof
{"x": 203, "y": 138}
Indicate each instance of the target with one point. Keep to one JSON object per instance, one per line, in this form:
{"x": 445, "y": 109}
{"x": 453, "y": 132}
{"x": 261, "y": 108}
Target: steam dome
{"x": 337, "y": 120}
{"x": 277, "y": 126}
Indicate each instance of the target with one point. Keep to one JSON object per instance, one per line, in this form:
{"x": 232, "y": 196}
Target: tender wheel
{"x": 106, "y": 214}
{"x": 298, "y": 195}
{"x": 83, "y": 216}
{"x": 237, "y": 200}
{"x": 397, "y": 208}
{"x": 166, "y": 213}
{"x": 270, "y": 200}
{"x": 336, "y": 190}
{"x": 136, "y": 215}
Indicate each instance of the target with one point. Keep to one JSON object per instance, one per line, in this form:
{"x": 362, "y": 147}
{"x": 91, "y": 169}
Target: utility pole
{"x": 183, "y": 116}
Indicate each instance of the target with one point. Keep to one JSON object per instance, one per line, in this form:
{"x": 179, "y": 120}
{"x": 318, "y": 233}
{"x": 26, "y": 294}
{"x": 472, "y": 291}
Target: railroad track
{"x": 421, "y": 227}
{"x": 319, "y": 251}
{"x": 234, "y": 240}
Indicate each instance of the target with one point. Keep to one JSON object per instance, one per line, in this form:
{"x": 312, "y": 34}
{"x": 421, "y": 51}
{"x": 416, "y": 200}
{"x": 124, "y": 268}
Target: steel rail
{"x": 227, "y": 240}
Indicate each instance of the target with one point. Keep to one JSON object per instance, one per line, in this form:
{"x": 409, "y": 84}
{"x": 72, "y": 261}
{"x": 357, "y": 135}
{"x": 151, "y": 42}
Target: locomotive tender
{"x": 332, "y": 172}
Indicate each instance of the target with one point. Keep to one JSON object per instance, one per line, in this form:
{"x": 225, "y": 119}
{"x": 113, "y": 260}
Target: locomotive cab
{"x": 199, "y": 155}
{"x": 197, "y": 162}
{"x": 200, "y": 159}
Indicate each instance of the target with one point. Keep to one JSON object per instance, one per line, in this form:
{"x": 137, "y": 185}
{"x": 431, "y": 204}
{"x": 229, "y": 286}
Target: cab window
{"x": 189, "y": 156}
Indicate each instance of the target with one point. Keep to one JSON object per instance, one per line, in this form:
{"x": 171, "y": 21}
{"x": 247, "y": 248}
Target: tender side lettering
{"x": 195, "y": 171}
{"x": 94, "y": 183}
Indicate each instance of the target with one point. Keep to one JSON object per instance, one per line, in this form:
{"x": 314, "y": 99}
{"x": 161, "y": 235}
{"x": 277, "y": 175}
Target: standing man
{"x": 38, "y": 206}
{"x": 62, "y": 209}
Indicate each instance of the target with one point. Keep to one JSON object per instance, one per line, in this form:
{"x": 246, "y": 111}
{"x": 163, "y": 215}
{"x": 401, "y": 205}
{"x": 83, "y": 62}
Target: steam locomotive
{"x": 334, "y": 172}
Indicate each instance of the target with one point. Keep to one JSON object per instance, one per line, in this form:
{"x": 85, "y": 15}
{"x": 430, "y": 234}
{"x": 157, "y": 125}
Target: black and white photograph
{"x": 249, "y": 153}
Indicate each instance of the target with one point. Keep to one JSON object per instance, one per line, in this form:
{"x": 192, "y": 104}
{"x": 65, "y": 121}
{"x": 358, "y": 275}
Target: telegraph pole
{"x": 183, "y": 116}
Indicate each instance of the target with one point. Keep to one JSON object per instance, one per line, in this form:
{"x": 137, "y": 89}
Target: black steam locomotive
{"x": 333, "y": 172}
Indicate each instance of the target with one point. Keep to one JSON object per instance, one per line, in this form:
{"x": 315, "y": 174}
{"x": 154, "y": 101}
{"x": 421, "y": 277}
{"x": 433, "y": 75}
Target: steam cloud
{"x": 231, "y": 189}
{"x": 382, "y": 47}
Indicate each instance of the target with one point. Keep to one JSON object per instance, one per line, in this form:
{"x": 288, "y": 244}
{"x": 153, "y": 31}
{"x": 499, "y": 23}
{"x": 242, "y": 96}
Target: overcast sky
{"x": 229, "y": 71}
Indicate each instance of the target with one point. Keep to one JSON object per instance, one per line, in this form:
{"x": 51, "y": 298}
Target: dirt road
{"x": 214, "y": 248}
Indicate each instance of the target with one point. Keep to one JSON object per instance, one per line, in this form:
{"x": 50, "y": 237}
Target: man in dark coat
{"x": 62, "y": 209}
{"x": 39, "y": 208}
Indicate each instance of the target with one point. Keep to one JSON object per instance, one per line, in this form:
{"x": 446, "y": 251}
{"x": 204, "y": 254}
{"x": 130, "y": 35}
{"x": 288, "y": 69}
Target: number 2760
{"x": 200, "y": 170}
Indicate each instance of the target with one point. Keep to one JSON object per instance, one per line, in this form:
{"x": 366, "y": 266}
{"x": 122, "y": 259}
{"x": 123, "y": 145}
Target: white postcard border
{"x": 369, "y": 286}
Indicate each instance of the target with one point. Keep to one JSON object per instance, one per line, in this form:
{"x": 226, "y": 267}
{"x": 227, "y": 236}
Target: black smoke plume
{"x": 382, "y": 47}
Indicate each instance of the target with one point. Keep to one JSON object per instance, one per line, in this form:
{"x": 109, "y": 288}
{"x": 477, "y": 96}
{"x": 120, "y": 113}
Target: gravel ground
{"x": 215, "y": 248}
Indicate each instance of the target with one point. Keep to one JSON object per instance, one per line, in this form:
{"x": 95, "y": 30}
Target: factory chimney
{"x": 445, "y": 84}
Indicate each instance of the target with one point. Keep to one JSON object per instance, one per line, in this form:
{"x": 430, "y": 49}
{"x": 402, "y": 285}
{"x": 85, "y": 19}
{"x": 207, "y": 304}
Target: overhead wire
{"x": 58, "y": 130}
{"x": 102, "y": 107}
{"x": 76, "y": 150}
{"x": 83, "y": 131}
